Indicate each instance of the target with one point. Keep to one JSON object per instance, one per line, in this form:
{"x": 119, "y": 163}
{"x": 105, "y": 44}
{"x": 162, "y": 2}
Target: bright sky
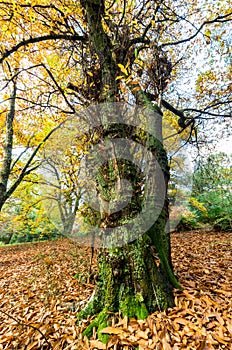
{"x": 225, "y": 146}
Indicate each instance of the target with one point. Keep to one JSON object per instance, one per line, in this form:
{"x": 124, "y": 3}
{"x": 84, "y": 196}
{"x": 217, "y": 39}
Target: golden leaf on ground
{"x": 112, "y": 330}
{"x": 97, "y": 345}
{"x": 34, "y": 293}
{"x": 32, "y": 345}
{"x": 141, "y": 334}
{"x": 48, "y": 261}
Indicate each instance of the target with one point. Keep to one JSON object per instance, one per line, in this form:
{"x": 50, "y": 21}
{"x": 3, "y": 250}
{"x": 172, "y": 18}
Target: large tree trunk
{"x": 130, "y": 281}
{"x": 136, "y": 278}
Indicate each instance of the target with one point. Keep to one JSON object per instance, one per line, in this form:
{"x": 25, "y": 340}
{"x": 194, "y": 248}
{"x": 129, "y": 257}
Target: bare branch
{"x": 28, "y": 325}
{"x": 25, "y": 171}
{"x": 219, "y": 19}
{"x": 51, "y": 36}
{"x": 200, "y": 111}
{"x": 59, "y": 88}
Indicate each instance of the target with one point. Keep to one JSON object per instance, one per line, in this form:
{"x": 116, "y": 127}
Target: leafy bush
{"x": 33, "y": 236}
{"x": 223, "y": 224}
{"x": 212, "y": 200}
{"x": 188, "y": 222}
{"x": 32, "y": 225}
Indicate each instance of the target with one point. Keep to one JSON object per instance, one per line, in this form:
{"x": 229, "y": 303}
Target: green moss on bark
{"x": 131, "y": 306}
{"x": 130, "y": 282}
{"x": 99, "y": 323}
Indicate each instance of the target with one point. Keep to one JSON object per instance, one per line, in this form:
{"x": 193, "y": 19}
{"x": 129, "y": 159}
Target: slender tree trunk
{"x": 7, "y": 150}
{"x": 8, "y": 238}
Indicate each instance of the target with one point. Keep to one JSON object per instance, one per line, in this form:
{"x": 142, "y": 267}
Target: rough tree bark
{"x": 130, "y": 279}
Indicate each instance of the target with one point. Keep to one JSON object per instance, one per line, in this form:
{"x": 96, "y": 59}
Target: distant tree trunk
{"x": 68, "y": 219}
{"x": 136, "y": 278}
{"x": 8, "y": 237}
{"x": 7, "y": 150}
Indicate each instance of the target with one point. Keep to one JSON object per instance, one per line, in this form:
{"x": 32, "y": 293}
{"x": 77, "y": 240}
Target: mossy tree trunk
{"x": 137, "y": 278}
{"x": 130, "y": 281}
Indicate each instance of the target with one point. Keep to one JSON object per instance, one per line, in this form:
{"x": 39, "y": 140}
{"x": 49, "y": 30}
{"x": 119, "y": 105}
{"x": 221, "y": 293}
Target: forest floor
{"x": 43, "y": 285}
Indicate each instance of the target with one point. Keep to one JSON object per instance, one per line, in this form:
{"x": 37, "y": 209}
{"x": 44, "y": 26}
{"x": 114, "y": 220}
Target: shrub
{"x": 188, "y": 222}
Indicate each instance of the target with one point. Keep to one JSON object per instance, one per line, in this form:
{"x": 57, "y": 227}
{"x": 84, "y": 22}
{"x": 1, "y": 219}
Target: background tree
{"x": 24, "y": 218}
{"x": 20, "y": 146}
{"x": 94, "y": 51}
{"x": 59, "y": 181}
{"x": 212, "y": 188}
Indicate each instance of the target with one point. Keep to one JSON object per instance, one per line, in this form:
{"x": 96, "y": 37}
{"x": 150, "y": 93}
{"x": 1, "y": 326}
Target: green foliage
{"x": 24, "y": 218}
{"x": 188, "y": 222}
{"x": 223, "y": 224}
{"x": 29, "y": 230}
{"x": 212, "y": 198}
{"x": 31, "y": 233}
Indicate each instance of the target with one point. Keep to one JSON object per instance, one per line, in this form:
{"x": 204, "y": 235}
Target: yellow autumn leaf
{"x": 137, "y": 88}
{"x": 123, "y": 69}
{"x": 128, "y": 63}
{"x": 48, "y": 261}
{"x": 119, "y": 77}
{"x": 134, "y": 82}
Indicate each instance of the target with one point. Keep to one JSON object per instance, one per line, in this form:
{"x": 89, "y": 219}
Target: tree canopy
{"x": 176, "y": 53}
